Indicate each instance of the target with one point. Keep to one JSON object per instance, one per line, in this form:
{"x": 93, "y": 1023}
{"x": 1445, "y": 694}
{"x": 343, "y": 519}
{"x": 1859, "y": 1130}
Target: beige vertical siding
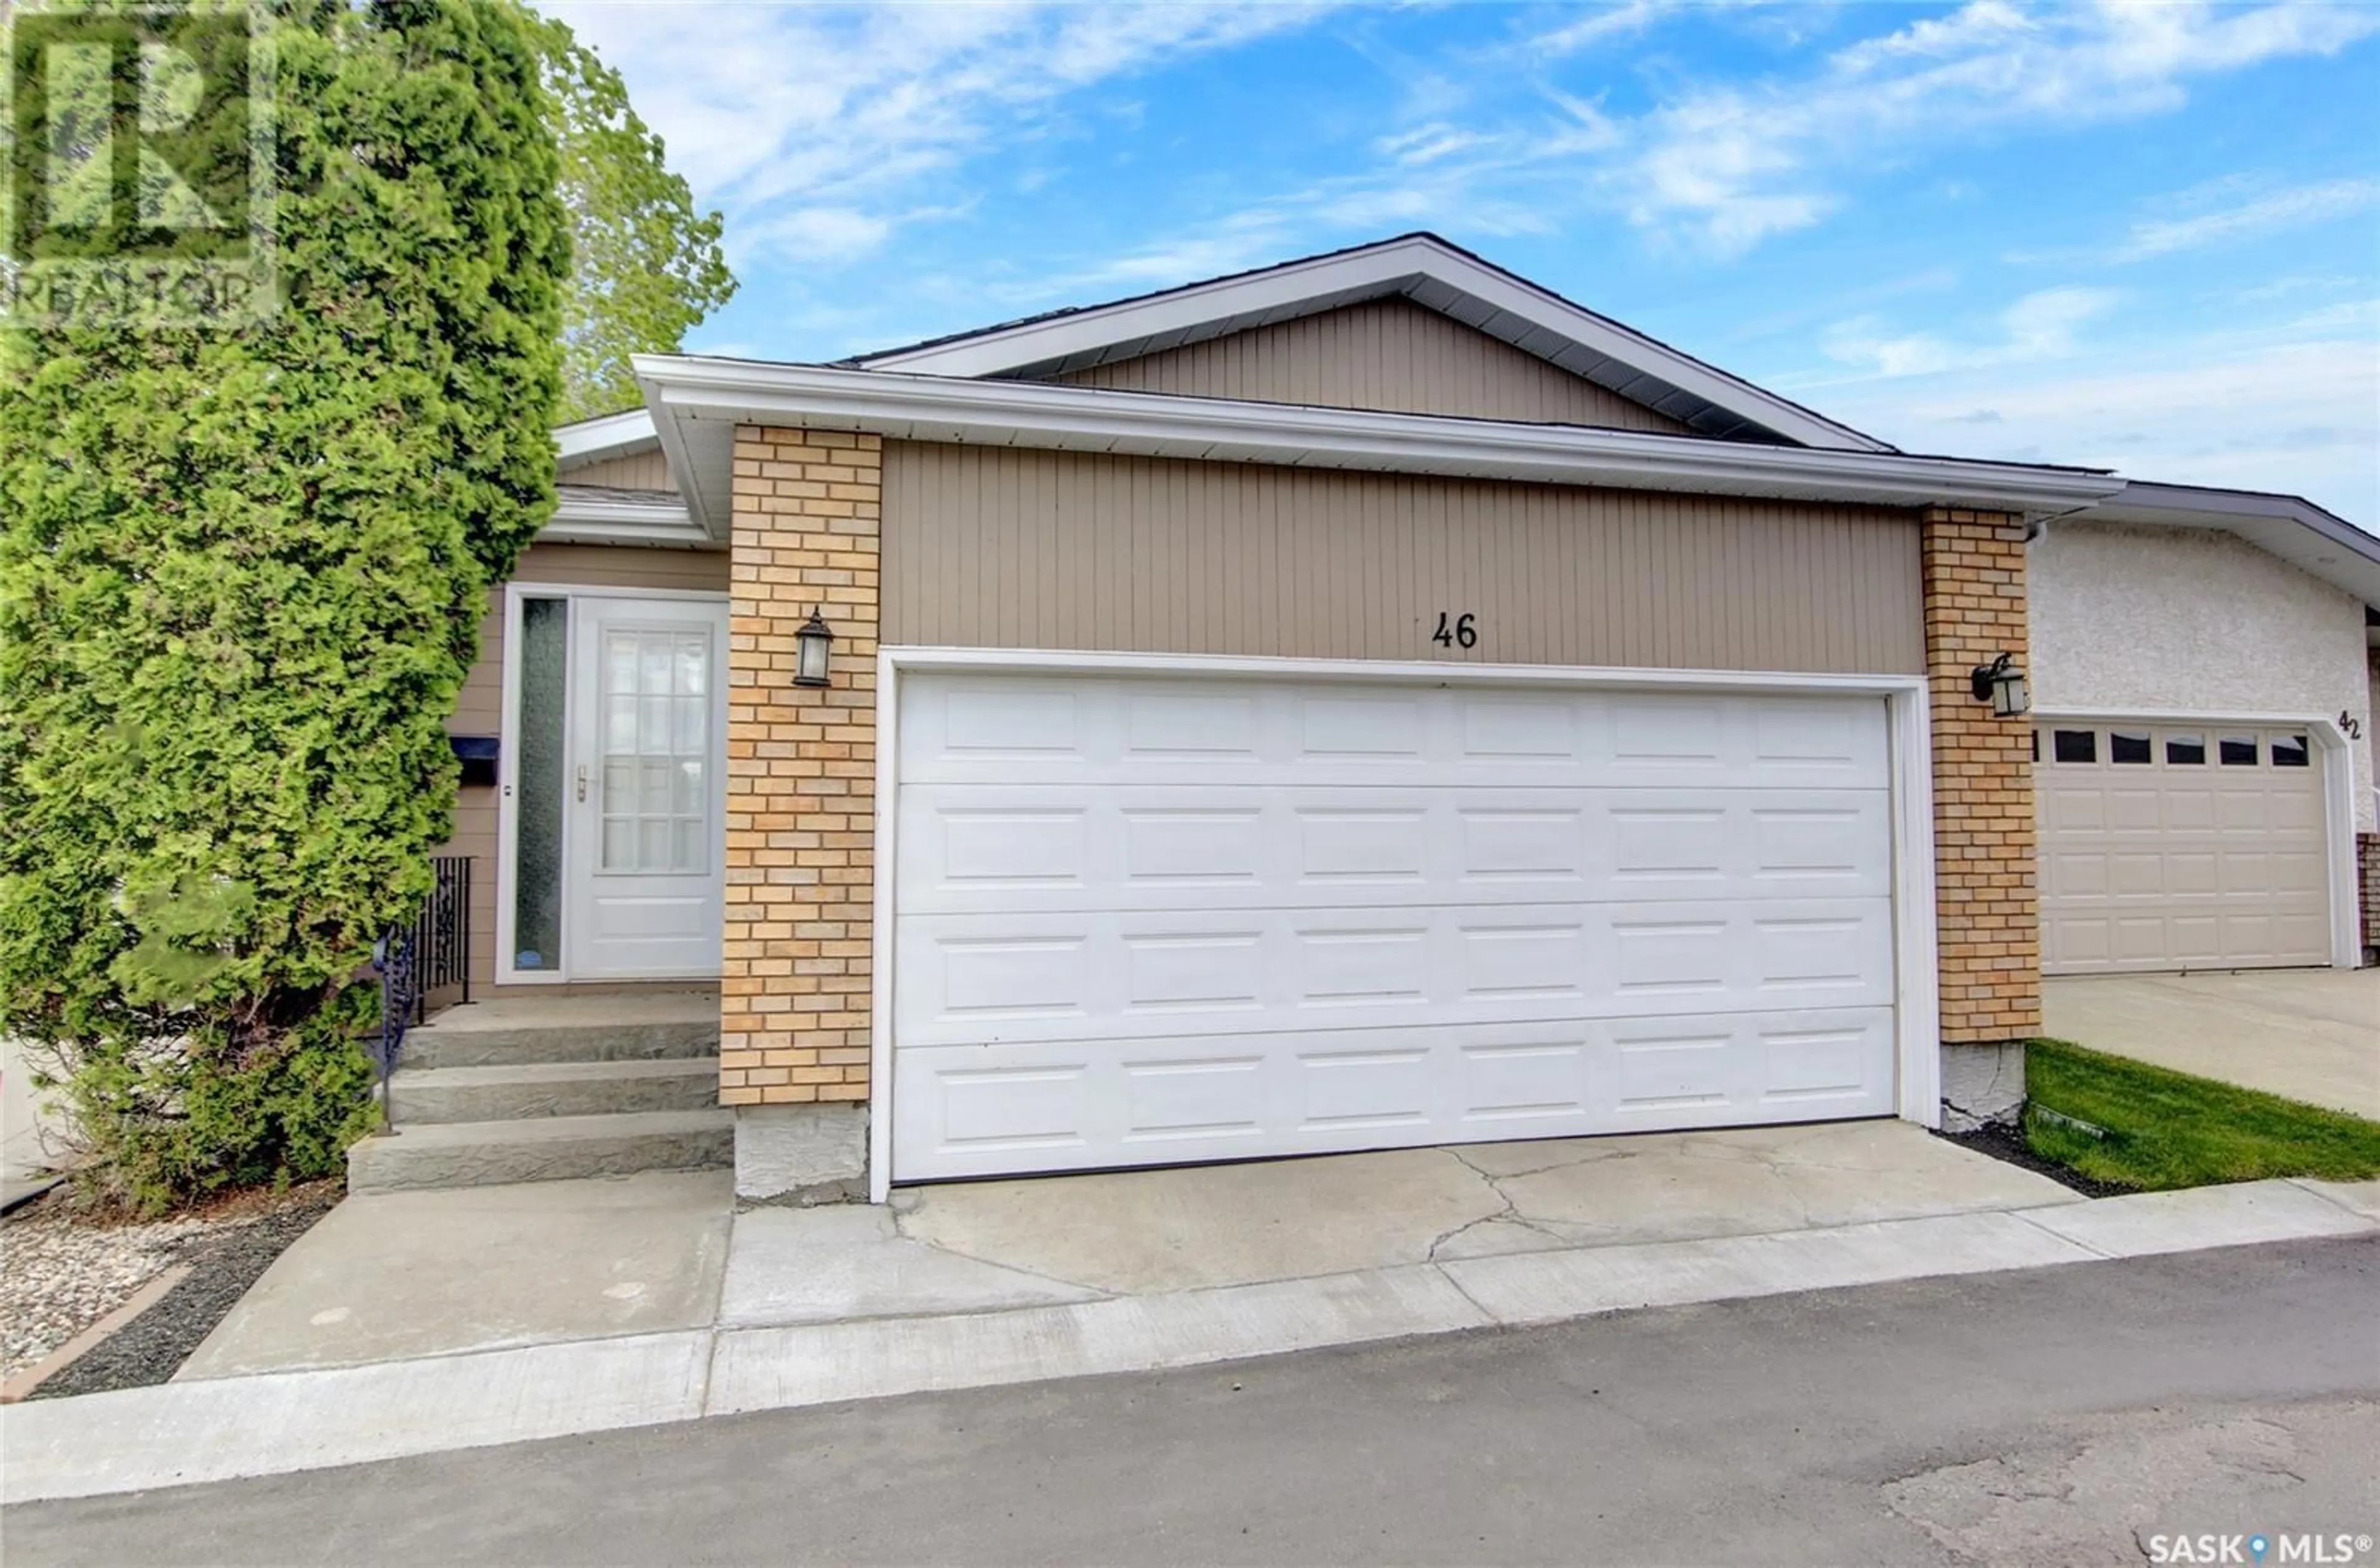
{"x": 478, "y": 709}
{"x": 644, "y": 471}
{"x": 1002, "y": 548}
{"x": 1389, "y": 354}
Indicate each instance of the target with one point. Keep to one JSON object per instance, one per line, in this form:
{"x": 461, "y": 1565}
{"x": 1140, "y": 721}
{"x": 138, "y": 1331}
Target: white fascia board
{"x": 687, "y": 392}
{"x": 613, "y": 521}
{"x": 1385, "y": 269}
{"x": 612, "y": 435}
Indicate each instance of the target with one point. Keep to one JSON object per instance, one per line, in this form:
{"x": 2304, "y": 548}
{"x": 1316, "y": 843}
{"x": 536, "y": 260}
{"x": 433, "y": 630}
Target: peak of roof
{"x": 1427, "y": 268}
{"x": 862, "y": 362}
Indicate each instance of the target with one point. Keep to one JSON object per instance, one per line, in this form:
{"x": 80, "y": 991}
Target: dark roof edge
{"x": 863, "y": 361}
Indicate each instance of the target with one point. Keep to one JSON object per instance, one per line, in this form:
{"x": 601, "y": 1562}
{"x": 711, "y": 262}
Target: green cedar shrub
{"x": 241, "y": 575}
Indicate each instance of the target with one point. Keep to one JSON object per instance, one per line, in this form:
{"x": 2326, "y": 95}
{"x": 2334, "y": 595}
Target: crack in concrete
{"x": 1510, "y": 1210}
{"x": 900, "y": 1233}
{"x": 1563, "y": 1162}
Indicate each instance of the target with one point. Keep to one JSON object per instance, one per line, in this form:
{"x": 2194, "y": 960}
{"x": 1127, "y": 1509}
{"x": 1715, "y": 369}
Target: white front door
{"x": 1142, "y": 921}
{"x": 645, "y": 788}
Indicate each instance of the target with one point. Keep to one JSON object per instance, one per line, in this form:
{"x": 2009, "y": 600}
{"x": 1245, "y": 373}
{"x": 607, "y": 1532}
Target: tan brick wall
{"x": 1988, "y": 915}
{"x": 801, "y": 770}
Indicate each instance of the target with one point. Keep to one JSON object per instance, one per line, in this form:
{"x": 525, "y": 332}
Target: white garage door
{"x": 2181, "y": 847}
{"x": 1142, "y": 921}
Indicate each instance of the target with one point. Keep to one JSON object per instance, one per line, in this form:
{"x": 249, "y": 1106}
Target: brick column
{"x": 1988, "y": 916}
{"x": 801, "y": 781}
{"x": 2367, "y": 872}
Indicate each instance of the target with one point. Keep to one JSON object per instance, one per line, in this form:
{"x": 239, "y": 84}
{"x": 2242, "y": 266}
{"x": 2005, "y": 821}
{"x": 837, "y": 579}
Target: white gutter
{"x": 615, "y": 520}
{"x": 612, "y": 435}
{"x": 687, "y": 394}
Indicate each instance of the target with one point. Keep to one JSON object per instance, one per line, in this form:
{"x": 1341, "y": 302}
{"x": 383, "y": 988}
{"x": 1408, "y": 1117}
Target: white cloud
{"x": 815, "y": 126}
{"x": 1728, "y": 166}
{"x": 2276, "y": 209}
{"x": 1427, "y": 144}
{"x": 2042, "y": 325}
{"x": 2294, "y": 409}
{"x": 1723, "y": 166}
{"x": 1595, "y": 24}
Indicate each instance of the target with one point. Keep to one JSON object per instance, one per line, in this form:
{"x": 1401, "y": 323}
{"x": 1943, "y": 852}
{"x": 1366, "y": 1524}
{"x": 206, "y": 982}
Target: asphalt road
{"x": 2062, "y": 1416}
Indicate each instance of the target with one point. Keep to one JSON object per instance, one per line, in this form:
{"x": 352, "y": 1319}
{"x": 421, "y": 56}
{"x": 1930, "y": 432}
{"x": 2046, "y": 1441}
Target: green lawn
{"x": 2167, "y": 1129}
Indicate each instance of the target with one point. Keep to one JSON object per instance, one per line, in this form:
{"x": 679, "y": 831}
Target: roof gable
{"x": 1389, "y": 355}
{"x": 2317, "y": 542}
{"x": 1420, "y": 267}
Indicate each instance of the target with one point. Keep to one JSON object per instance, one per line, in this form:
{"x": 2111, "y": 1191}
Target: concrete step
{"x": 541, "y": 1148}
{"x": 515, "y": 1031}
{"x": 437, "y": 1095}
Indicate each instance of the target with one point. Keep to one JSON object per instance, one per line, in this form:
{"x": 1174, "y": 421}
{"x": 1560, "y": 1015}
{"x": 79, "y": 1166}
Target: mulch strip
{"x": 152, "y": 1348}
{"x": 2009, "y": 1144}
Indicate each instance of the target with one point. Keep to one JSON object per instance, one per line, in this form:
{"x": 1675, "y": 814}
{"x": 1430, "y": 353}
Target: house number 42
{"x": 1456, "y": 631}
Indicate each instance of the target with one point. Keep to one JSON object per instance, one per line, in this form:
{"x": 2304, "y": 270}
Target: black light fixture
{"x": 810, "y": 645}
{"x": 2001, "y": 684}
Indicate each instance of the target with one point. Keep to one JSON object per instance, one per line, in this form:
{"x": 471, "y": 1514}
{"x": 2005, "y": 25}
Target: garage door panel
{"x": 1114, "y": 1102}
{"x": 2189, "y": 810}
{"x": 994, "y": 979}
{"x": 2243, "y": 810}
{"x": 2086, "y": 939}
{"x": 968, "y": 847}
{"x": 2165, "y": 865}
{"x": 1142, "y": 921}
{"x": 1004, "y": 729}
{"x": 2296, "y": 813}
{"x": 2299, "y": 930}
{"x": 2076, "y": 872}
{"x": 2131, "y": 812}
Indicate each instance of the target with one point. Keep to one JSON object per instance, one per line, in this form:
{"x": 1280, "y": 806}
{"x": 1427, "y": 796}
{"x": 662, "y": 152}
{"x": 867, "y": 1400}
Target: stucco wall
{"x": 2193, "y": 620}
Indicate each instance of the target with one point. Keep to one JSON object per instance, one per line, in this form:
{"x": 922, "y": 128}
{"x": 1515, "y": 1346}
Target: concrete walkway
{"x": 2311, "y": 1034}
{"x": 1011, "y": 1282}
{"x": 389, "y": 1275}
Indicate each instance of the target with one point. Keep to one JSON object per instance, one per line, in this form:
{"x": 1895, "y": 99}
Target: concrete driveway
{"x": 2309, "y": 1034}
{"x": 393, "y": 1275}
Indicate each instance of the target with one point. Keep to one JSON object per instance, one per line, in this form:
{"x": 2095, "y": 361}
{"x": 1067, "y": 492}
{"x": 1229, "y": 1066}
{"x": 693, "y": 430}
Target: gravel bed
{"x": 2009, "y": 1144}
{"x": 61, "y": 1272}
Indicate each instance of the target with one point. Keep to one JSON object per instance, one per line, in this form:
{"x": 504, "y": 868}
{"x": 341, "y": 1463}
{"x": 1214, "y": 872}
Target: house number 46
{"x": 1456, "y": 631}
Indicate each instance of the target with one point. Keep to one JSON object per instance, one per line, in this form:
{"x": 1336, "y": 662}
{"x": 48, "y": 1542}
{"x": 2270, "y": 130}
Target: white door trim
{"x": 2337, "y": 804}
{"x": 1917, "y": 1013}
{"x": 508, "y": 757}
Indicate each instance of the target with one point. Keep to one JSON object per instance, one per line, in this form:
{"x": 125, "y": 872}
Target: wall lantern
{"x": 810, "y": 645}
{"x": 2001, "y": 684}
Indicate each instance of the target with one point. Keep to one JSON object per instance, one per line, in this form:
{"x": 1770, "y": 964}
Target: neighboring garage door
{"x": 2180, "y": 846}
{"x": 1142, "y": 921}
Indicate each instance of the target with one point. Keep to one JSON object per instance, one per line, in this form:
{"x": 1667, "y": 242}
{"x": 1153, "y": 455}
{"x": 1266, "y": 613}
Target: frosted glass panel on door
{"x": 538, "y": 764}
{"x": 655, "y": 714}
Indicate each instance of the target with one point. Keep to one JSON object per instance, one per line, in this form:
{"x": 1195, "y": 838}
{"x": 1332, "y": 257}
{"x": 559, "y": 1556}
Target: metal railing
{"x": 417, "y": 961}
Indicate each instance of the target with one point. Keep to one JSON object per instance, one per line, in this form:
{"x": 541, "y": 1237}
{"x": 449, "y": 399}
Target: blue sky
{"x": 2146, "y": 236}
